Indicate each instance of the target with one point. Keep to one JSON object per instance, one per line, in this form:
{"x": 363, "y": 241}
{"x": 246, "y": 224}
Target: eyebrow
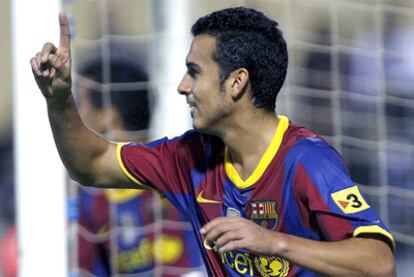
{"x": 194, "y": 66}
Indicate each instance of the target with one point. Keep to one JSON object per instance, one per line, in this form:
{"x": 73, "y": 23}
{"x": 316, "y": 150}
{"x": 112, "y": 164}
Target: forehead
{"x": 201, "y": 49}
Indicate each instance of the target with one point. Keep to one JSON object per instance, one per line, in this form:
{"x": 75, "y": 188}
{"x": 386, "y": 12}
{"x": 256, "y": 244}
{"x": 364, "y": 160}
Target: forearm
{"x": 78, "y": 146}
{"x": 88, "y": 157}
{"x": 351, "y": 257}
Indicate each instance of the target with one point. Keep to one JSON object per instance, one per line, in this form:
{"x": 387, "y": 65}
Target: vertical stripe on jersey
{"x": 197, "y": 177}
{"x": 235, "y": 198}
{"x": 293, "y": 223}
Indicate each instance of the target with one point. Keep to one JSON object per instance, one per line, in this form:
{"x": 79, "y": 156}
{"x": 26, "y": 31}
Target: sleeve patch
{"x": 350, "y": 200}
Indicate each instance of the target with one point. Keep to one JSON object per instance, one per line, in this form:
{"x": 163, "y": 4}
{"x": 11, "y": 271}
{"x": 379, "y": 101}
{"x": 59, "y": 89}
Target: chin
{"x": 204, "y": 126}
{"x": 204, "y": 129}
{"x": 197, "y": 124}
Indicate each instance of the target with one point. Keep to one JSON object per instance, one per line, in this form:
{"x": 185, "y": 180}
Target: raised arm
{"x": 88, "y": 157}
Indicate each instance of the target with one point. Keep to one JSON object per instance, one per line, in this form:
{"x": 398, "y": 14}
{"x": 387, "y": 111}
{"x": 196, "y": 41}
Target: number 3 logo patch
{"x": 350, "y": 200}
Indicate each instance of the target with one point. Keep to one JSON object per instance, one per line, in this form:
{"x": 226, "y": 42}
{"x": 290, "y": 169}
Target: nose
{"x": 184, "y": 87}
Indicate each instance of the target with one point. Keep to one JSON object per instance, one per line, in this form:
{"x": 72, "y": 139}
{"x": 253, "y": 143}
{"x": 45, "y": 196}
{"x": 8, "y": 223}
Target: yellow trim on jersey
{"x": 123, "y": 168}
{"x": 264, "y": 162}
{"x": 374, "y": 229}
{"x": 121, "y": 195}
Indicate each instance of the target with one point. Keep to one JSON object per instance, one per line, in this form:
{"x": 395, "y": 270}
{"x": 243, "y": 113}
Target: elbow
{"x": 82, "y": 178}
{"x": 385, "y": 267}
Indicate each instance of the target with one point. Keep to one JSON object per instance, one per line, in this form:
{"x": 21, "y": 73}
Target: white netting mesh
{"x": 352, "y": 80}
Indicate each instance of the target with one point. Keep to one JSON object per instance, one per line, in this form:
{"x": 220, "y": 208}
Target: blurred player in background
{"x": 268, "y": 197}
{"x": 126, "y": 231}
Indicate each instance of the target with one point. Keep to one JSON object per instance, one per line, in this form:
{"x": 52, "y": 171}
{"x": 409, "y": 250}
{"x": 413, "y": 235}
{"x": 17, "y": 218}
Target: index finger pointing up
{"x": 64, "y": 31}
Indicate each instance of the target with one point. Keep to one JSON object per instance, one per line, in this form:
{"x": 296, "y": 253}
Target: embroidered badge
{"x": 264, "y": 213}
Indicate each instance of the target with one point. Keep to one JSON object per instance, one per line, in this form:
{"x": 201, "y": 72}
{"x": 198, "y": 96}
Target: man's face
{"x": 209, "y": 102}
{"x": 91, "y": 116}
{"x": 107, "y": 120}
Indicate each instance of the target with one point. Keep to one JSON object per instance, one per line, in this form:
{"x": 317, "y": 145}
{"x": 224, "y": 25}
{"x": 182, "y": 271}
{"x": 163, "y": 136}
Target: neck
{"x": 248, "y": 140}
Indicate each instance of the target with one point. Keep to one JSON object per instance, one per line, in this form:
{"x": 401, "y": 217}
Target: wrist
{"x": 280, "y": 245}
{"x": 59, "y": 100}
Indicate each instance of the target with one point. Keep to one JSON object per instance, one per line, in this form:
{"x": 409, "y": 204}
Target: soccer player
{"x": 122, "y": 231}
{"x": 266, "y": 197}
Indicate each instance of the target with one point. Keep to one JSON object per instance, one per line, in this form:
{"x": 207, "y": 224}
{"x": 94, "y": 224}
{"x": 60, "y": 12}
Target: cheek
{"x": 200, "y": 93}
{"x": 216, "y": 106}
{"x": 205, "y": 90}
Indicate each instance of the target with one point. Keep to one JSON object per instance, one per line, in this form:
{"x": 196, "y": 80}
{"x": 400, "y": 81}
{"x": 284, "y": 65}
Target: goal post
{"x": 39, "y": 174}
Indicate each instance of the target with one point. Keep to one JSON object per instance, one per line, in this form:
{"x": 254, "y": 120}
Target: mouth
{"x": 192, "y": 106}
{"x": 191, "y": 103}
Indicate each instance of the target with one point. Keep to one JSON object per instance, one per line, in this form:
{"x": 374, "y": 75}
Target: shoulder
{"x": 314, "y": 163}
{"x": 309, "y": 148}
{"x": 191, "y": 140}
{"x": 302, "y": 140}
{"x": 190, "y": 144}
{"x": 187, "y": 139}
{"x": 196, "y": 141}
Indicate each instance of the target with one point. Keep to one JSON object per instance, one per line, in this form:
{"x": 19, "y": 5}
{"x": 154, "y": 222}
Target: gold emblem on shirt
{"x": 272, "y": 266}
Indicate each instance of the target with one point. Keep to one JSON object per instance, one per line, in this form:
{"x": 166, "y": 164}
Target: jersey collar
{"x": 268, "y": 156}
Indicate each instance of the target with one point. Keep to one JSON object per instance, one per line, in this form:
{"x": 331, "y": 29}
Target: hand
{"x": 231, "y": 233}
{"x": 51, "y": 66}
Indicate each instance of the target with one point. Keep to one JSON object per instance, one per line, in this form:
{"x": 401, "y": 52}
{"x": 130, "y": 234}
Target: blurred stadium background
{"x": 351, "y": 79}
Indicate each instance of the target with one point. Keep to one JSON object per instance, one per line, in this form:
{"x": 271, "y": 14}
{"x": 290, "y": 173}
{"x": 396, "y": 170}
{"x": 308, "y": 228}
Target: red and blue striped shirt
{"x": 300, "y": 187}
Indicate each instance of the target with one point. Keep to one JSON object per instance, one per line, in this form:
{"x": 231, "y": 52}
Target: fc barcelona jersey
{"x": 300, "y": 187}
{"x": 132, "y": 232}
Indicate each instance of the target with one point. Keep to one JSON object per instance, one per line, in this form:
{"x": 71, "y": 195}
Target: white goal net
{"x": 351, "y": 79}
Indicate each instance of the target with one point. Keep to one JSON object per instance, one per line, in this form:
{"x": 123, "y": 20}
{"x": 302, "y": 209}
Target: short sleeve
{"x": 330, "y": 200}
{"x": 163, "y": 165}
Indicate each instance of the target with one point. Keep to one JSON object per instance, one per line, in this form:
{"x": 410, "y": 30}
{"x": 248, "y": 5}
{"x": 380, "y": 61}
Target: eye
{"x": 192, "y": 72}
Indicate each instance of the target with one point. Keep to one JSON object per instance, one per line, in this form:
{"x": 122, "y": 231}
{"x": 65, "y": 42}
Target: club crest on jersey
{"x": 264, "y": 213}
{"x": 272, "y": 266}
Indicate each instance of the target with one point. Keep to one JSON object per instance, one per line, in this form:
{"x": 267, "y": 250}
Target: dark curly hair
{"x": 133, "y": 104}
{"x": 249, "y": 39}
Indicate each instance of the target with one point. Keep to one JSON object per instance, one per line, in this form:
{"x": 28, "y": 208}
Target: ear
{"x": 239, "y": 82}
